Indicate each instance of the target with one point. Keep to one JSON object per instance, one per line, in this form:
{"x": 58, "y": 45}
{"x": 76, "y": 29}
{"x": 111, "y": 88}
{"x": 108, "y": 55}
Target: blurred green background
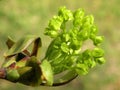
{"x": 22, "y": 17}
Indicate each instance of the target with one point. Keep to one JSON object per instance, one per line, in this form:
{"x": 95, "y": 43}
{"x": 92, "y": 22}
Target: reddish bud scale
{"x": 2, "y": 73}
{"x": 12, "y": 65}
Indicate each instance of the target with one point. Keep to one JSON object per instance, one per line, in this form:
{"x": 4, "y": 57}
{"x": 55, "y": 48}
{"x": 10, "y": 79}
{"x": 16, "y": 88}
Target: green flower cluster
{"x": 64, "y": 52}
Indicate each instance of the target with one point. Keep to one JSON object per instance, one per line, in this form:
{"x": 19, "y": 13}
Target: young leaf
{"x": 10, "y": 42}
{"x": 47, "y": 73}
{"x": 69, "y": 76}
{"x": 12, "y": 75}
{"x": 36, "y": 71}
{"x": 20, "y": 45}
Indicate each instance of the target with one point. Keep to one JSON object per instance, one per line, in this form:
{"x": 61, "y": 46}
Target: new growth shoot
{"x": 64, "y": 53}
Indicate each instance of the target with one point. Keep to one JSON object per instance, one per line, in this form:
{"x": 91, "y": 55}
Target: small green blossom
{"x": 55, "y": 23}
{"x": 68, "y": 42}
{"x": 97, "y": 52}
{"x": 65, "y": 14}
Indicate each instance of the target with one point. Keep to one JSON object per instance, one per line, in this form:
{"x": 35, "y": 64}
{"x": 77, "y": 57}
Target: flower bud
{"x": 55, "y": 23}
{"x": 97, "y": 40}
{"x": 65, "y": 14}
{"x": 100, "y": 60}
{"x": 97, "y": 52}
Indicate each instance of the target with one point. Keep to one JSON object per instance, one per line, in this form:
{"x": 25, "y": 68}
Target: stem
{"x": 63, "y": 26}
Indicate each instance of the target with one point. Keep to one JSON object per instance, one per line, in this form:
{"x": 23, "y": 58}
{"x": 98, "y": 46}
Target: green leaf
{"x": 26, "y": 76}
{"x": 54, "y": 55}
{"x": 8, "y": 62}
{"x": 36, "y": 71}
{"x": 65, "y": 78}
{"x": 47, "y": 73}
{"x": 21, "y": 45}
{"x": 24, "y": 70}
{"x": 53, "y": 50}
{"x": 9, "y": 42}
{"x": 12, "y": 75}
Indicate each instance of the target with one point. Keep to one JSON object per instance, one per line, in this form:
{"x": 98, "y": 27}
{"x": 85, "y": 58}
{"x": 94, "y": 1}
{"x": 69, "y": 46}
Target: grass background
{"x": 22, "y": 17}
